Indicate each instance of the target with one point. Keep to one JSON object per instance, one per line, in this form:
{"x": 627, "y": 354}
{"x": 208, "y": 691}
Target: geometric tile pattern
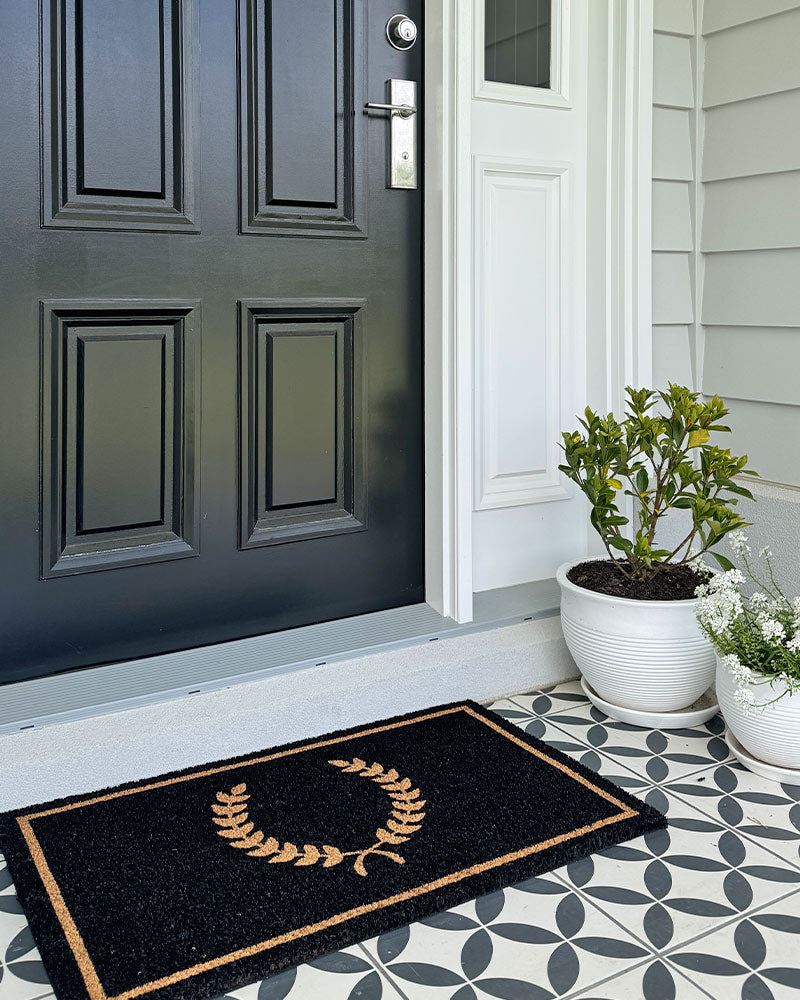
{"x": 708, "y": 907}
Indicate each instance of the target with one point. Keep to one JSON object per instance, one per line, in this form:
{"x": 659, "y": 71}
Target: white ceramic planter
{"x": 772, "y": 734}
{"x": 646, "y": 655}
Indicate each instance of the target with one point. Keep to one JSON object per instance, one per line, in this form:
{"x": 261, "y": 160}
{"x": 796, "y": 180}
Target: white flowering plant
{"x": 755, "y": 633}
{"x": 661, "y": 457}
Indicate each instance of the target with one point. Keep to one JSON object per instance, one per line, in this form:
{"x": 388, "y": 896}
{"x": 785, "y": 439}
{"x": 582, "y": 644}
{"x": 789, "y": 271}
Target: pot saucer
{"x": 773, "y": 772}
{"x": 695, "y": 715}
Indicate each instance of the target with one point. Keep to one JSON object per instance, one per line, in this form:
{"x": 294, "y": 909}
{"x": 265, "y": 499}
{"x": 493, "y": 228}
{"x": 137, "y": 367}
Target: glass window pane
{"x": 517, "y": 42}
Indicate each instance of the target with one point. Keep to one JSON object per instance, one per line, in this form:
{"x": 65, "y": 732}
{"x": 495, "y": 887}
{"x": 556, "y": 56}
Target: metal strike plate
{"x": 402, "y": 161}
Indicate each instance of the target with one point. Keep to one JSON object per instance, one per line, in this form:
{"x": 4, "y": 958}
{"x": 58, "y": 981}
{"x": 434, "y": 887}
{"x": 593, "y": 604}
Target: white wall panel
{"x": 672, "y": 145}
{"x": 752, "y": 60}
{"x": 720, "y": 14}
{"x": 672, "y": 356}
{"x": 752, "y": 137}
{"x": 520, "y": 323}
{"x": 672, "y": 71}
{"x": 675, "y": 16}
{"x": 752, "y": 288}
{"x": 756, "y": 363}
{"x": 672, "y": 219}
{"x": 672, "y": 289}
{"x": 758, "y": 212}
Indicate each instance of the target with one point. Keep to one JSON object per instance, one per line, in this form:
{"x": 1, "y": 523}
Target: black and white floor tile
{"x": 655, "y": 755}
{"x": 22, "y": 975}
{"x": 709, "y": 907}
{"x": 766, "y": 812}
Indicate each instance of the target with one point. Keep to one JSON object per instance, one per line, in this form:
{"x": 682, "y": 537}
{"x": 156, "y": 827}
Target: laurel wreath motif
{"x": 232, "y": 819}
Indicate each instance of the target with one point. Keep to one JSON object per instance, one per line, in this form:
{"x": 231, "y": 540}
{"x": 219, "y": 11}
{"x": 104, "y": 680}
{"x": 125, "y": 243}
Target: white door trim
{"x": 629, "y": 173}
{"x": 450, "y": 223}
{"x": 448, "y": 308}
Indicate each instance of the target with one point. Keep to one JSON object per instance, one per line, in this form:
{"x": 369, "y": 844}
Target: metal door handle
{"x": 401, "y": 103}
{"x": 403, "y": 110}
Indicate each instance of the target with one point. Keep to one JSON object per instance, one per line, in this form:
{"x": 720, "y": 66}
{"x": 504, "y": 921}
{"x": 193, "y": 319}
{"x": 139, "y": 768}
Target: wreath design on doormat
{"x": 405, "y": 817}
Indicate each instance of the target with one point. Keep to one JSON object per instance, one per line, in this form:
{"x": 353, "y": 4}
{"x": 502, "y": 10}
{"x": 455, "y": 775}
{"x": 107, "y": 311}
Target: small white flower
{"x": 718, "y": 609}
{"x": 759, "y": 601}
{"x": 745, "y": 697}
{"x": 738, "y": 542}
{"x": 771, "y": 628}
{"x": 793, "y": 645}
{"x": 765, "y": 553}
{"x": 738, "y": 670}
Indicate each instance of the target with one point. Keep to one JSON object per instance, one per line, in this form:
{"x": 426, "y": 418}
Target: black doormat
{"x": 199, "y": 881}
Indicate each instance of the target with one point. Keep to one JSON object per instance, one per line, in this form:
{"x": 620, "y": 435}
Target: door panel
{"x": 301, "y": 449}
{"x": 218, "y": 410}
{"x": 117, "y": 94}
{"x": 302, "y": 151}
{"x": 118, "y": 434}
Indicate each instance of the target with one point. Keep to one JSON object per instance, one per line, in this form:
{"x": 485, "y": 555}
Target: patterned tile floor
{"x": 709, "y": 907}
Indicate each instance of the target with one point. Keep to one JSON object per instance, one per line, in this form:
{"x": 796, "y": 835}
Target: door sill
{"x": 130, "y": 684}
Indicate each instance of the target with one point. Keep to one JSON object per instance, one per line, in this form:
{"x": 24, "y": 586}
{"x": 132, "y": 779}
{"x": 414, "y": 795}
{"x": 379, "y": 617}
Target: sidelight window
{"x": 517, "y": 42}
{"x": 522, "y": 52}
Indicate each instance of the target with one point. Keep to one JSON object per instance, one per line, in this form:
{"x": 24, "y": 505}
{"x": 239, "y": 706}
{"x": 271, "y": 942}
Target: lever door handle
{"x": 403, "y": 110}
{"x": 401, "y": 154}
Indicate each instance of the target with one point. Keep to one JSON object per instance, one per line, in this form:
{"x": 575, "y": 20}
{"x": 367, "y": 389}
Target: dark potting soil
{"x": 672, "y": 583}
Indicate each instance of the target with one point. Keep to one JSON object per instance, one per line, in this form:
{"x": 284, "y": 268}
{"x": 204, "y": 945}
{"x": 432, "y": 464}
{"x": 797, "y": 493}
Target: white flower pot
{"x": 648, "y": 655}
{"x": 771, "y": 733}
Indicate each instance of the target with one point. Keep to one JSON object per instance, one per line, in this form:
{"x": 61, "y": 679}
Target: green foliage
{"x": 659, "y": 456}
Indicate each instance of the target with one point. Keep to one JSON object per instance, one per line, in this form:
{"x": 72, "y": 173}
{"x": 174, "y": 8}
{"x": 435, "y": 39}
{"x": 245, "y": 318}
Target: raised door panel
{"x": 301, "y": 447}
{"x": 520, "y": 309}
{"x": 117, "y": 114}
{"x": 301, "y": 142}
{"x": 119, "y": 473}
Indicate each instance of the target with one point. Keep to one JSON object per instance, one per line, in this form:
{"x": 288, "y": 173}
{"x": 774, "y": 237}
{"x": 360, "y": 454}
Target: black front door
{"x": 211, "y": 326}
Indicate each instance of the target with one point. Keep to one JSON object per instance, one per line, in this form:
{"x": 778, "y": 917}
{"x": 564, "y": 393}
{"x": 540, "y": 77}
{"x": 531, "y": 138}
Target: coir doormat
{"x": 199, "y": 881}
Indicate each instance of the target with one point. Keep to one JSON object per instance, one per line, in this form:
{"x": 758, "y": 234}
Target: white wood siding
{"x": 721, "y": 14}
{"x": 750, "y": 229}
{"x": 726, "y": 216}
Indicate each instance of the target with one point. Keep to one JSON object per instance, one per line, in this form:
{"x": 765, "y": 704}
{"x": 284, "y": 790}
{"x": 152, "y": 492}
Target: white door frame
{"x": 448, "y": 251}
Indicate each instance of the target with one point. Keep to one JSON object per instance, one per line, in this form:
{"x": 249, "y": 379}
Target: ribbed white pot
{"x": 771, "y": 733}
{"x": 647, "y": 655}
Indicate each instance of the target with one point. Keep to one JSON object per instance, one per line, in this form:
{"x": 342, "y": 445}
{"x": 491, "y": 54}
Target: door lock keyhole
{"x": 401, "y": 31}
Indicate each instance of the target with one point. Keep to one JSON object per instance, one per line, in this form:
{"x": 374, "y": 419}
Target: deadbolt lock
{"x": 401, "y": 31}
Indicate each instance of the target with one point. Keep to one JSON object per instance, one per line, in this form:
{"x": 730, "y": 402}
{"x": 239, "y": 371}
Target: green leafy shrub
{"x": 659, "y": 456}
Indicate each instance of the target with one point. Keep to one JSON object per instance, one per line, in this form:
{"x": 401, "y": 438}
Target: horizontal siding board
{"x": 675, "y": 16}
{"x": 673, "y": 84}
{"x": 752, "y": 288}
{"x": 721, "y": 14}
{"x": 672, "y": 145}
{"x": 672, "y": 356}
{"x": 672, "y": 289}
{"x": 752, "y": 137}
{"x": 761, "y": 431}
{"x": 755, "y": 363}
{"x": 758, "y": 212}
{"x": 672, "y": 218}
{"x": 753, "y": 60}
